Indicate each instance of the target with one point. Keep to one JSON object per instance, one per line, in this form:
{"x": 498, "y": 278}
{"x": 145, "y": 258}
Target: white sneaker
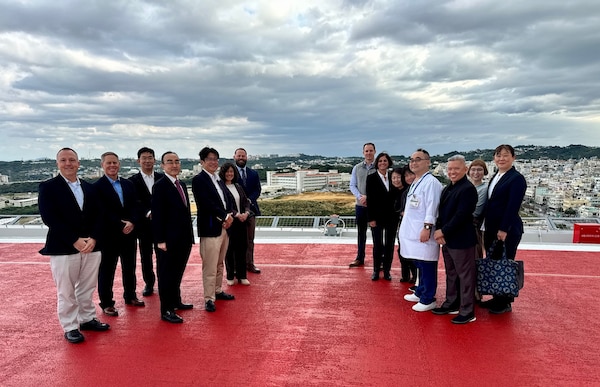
{"x": 423, "y": 307}
{"x": 245, "y": 282}
{"x": 230, "y": 282}
{"x": 411, "y": 297}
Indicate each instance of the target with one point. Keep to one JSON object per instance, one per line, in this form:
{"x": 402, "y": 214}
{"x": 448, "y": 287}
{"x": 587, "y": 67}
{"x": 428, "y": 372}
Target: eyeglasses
{"x": 416, "y": 160}
{"x": 474, "y": 169}
{"x": 211, "y": 159}
{"x": 170, "y": 162}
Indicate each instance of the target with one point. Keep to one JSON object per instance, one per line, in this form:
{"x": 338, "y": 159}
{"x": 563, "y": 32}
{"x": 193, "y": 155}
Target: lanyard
{"x": 411, "y": 191}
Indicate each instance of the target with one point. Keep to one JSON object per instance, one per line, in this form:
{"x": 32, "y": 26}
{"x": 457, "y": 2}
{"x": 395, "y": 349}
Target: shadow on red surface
{"x": 308, "y": 320}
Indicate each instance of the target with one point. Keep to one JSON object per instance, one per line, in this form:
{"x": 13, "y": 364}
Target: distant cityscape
{"x": 556, "y": 187}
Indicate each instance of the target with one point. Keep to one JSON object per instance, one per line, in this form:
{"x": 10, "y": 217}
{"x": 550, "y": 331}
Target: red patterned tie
{"x": 181, "y": 192}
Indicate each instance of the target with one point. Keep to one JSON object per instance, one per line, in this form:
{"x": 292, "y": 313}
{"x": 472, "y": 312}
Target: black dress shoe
{"x": 375, "y": 276}
{"x": 148, "y": 291}
{"x": 74, "y": 336}
{"x": 183, "y": 306}
{"x": 356, "y": 263}
{"x": 135, "y": 302}
{"x": 94, "y": 325}
{"x": 403, "y": 280}
{"x": 253, "y": 269}
{"x": 502, "y": 308}
{"x": 171, "y": 317}
{"x": 210, "y": 306}
{"x": 387, "y": 277}
{"x": 224, "y": 296}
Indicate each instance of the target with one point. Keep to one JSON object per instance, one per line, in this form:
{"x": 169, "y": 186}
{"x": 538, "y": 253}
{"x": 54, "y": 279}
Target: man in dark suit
{"x": 502, "y": 221}
{"x": 455, "y": 232}
{"x": 71, "y": 210}
{"x": 250, "y": 181}
{"x": 173, "y": 236}
{"x": 121, "y": 212}
{"x": 215, "y": 215}
{"x": 143, "y": 182}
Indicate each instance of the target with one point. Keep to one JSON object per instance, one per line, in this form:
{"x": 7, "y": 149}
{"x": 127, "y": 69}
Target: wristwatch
{"x": 427, "y": 227}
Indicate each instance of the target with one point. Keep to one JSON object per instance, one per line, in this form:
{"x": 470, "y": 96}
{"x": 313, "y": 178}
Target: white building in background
{"x": 3, "y": 179}
{"x": 305, "y": 180}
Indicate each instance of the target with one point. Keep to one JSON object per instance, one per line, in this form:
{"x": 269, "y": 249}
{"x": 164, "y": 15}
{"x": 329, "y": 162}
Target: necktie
{"x": 119, "y": 189}
{"x": 243, "y": 172}
{"x": 180, "y": 190}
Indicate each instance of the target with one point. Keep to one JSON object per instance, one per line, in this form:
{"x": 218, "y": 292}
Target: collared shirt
{"x": 358, "y": 179}
{"x": 385, "y": 180}
{"x": 149, "y": 180}
{"x": 215, "y": 179}
{"x": 118, "y": 189}
{"x": 493, "y": 183}
{"x": 75, "y": 187}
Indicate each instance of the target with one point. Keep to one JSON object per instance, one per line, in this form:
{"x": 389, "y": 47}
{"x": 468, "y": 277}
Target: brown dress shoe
{"x": 111, "y": 311}
{"x": 135, "y": 302}
{"x": 253, "y": 269}
{"x": 356, "y": 263}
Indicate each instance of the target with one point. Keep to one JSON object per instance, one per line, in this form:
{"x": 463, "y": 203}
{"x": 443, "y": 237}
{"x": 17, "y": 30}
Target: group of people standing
{"x": 91, "y": 226}
{"x": 466, "y": 218}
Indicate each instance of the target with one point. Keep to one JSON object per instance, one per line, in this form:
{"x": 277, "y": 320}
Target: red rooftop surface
{"x": 308, "y": 320}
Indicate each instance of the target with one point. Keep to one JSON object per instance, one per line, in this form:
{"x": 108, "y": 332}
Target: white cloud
{"x": 317, "y": 77}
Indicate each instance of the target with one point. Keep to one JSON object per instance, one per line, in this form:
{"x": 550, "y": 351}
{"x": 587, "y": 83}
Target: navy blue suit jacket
{"x": 112, "y": 209}
{"x": 502, "y": 208}
{"x": 65, "y": 220}
{"x": 455, "y": 215}
{"x": 252, "y": 189}
{"x": 171, "y": 218}
{"x": 211, "y": 212}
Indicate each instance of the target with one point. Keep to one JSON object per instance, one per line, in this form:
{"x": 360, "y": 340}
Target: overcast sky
{"x": 316, "y": 77}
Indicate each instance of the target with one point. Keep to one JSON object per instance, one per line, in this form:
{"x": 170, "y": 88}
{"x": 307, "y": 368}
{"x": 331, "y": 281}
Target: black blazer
{"x": 455, "y": 215}
{"x": 65, "y": 220}
{"x": 211, "y": 212}
{"x": 141, "y": 189}
{"x": 112, "y": 209}
{"x": 171, "y": 218}
{"x": 380, "y": 201}
{"x": 502, "y": 208}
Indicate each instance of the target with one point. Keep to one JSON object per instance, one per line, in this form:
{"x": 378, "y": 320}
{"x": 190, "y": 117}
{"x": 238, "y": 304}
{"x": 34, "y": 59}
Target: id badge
{"x": 414, "y": 202}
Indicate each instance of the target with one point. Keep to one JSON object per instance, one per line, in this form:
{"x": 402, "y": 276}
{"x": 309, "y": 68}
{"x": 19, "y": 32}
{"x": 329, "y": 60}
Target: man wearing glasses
{"x": 417, "y": 228}
{"x": 215, "y": 216}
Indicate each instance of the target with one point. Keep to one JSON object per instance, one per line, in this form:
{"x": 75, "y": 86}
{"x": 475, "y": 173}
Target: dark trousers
{"x": 408, "y": 269}
{"x": 384, "y": 238}
{"x": 235, "y": 259}
{"x": 146, "y": 247}
{"x": 170, "y": 266}
{"x": 123, "y": 247}
{"x": 510, "y": 247}
{"x": 461, "y": 277}
{"x": 250, "y": 232}
{"x": 427, "y": 283}
{"x": 361, "y": 226}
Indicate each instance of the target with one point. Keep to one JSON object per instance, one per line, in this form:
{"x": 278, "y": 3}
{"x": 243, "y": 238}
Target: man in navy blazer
{"x": 215, "y": 215}
{"x": 456, "y": 233}
{"x": 71, "y": 210}
{"x": 120, "y": 209}
{"x": 173, "y": 235}
{"x": 250, "y": 181}
{"x": 506, "y": 191}
{"x": 143, "y": 182}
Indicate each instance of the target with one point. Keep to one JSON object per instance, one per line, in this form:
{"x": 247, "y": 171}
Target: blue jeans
{"x": 427, "y": 281}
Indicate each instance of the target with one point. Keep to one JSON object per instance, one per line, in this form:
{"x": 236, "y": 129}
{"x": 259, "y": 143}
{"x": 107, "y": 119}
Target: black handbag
{"x": 499, "y": 277}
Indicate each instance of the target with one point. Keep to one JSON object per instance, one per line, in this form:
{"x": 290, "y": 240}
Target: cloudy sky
{"x": 317, "y": 77}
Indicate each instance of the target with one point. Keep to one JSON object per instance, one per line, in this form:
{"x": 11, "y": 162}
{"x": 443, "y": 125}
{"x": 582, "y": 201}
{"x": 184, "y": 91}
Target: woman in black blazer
{"x": 235, "y": 260}
{"x": 383, "y": 220}
{"x": 506, "y": 191}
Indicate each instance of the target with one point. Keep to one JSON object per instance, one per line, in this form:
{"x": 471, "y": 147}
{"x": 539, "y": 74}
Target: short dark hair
{"x": 478, "y": 162}
{"x": 225, "y": 167}
{"x": 145, "y": 149}
{"x": 369, "y": 143}
{"x": 405, "y": 170}
{"x": 389, "y": 159}
{"x": 204, "y": 152}
{"x": 162, "y": 158}
{"x": 423, "y": 151}
{"x": 67, "y": 149}
{"x": 506, "y": 147}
